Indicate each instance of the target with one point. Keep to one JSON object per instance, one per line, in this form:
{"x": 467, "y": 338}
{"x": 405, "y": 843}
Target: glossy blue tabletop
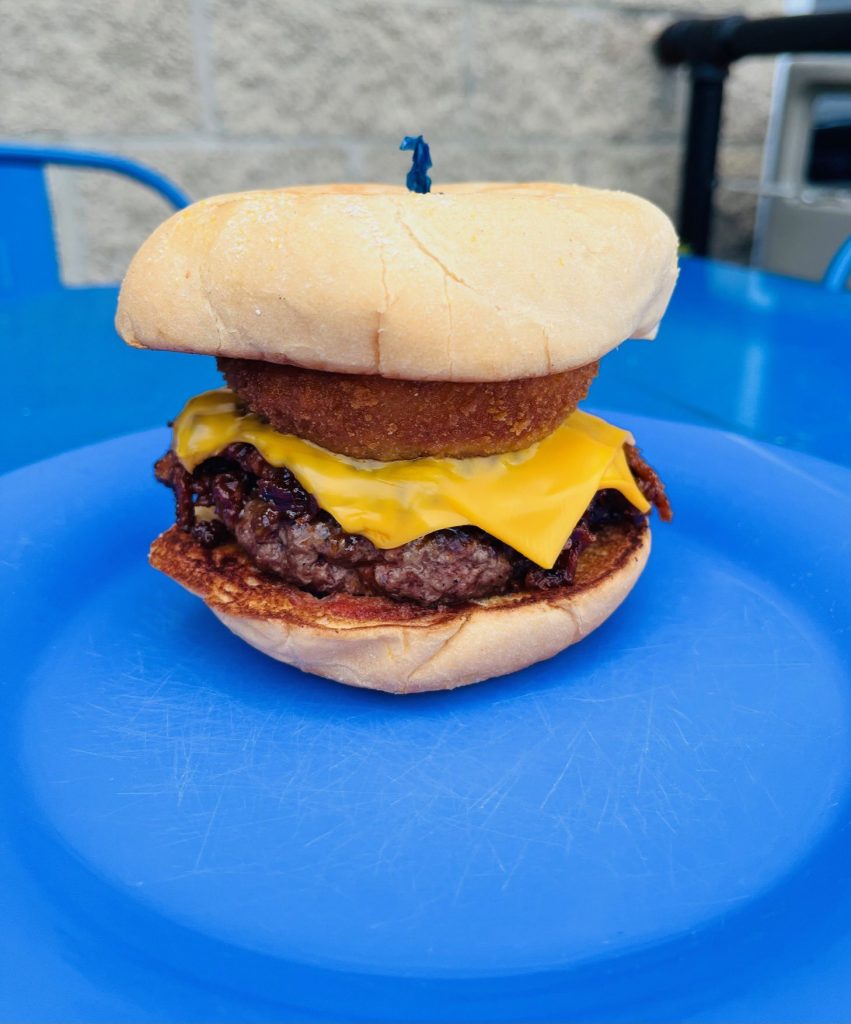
{"x": 755, "y": 353}
{"x": 653, "y": 826}
{"x": 71, "y": 381}
{"x": 759, "y": 354}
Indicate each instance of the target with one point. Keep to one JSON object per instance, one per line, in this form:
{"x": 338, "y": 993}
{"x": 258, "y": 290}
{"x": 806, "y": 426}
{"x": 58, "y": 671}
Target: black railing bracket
{"x": 709, "y": 46}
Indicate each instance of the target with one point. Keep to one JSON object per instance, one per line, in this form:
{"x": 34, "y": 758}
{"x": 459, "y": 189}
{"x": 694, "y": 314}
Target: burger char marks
{"x": 443, "y": 567}
{"x": 649, "y": 483}
{"x": 280, "y": 526}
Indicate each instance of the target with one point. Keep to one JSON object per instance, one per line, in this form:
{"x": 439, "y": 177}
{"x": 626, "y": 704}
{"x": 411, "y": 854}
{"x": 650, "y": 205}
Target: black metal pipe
{"x": 709, "y": 46}
{"x": 724, "y": 40}
{"x": 697, "y": 41}
{"x": 698, "y": 176}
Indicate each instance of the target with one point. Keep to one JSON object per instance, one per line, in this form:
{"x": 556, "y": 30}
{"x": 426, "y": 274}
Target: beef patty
{"x": 238, "y": 495}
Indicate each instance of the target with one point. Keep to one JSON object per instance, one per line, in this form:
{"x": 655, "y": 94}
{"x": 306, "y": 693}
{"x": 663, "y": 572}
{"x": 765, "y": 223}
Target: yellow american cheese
{"x": 531, "y": 499}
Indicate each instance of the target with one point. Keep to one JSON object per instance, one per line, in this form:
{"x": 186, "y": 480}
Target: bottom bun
{"x": 402, "y": 648}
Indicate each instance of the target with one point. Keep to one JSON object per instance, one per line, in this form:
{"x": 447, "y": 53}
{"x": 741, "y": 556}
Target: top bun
{"x": 473, "y": 282}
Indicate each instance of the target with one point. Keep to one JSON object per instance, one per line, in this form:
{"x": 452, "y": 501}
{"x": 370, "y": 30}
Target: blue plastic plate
{"x": 652, "y": 825}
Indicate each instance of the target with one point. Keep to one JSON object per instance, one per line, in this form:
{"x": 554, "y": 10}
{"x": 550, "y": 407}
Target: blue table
{"x": 709, "y": 728}
{"x": 71, "y": 381}
{"x": 755, "y": 353}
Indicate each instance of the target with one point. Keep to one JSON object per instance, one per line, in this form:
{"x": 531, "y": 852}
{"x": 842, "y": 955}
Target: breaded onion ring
{"x": 371, "y": 417}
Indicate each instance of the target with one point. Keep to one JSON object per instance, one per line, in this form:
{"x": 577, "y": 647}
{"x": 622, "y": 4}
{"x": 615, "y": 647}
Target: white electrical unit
{"x": 804, "y": 210}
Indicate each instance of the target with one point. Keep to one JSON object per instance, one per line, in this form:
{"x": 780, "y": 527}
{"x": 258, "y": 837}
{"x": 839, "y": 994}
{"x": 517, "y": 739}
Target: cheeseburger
{"x": 395, "y": 487}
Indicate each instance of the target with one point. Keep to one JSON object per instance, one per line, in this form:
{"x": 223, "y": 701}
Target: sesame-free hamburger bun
{"x": 473, "y": 282}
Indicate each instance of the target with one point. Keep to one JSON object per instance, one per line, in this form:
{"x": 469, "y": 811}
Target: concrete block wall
{"x": 230, "y": 94}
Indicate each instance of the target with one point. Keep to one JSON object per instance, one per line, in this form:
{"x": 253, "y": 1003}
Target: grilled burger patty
{"x": 281, "y": 527}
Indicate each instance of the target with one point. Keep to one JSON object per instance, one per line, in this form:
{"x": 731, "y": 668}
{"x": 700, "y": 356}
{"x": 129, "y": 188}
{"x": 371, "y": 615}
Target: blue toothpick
{"x": 418, "y": 179}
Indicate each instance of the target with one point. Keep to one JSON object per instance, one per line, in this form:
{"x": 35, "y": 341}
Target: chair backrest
{"x": 28, "y": 260}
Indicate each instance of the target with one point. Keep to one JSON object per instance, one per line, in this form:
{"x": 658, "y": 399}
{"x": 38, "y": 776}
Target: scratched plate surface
{"x": 647, "y": 825}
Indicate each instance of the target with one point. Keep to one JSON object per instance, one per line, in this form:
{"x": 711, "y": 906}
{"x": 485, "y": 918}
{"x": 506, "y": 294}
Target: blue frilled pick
{"x": 417, "y": 179}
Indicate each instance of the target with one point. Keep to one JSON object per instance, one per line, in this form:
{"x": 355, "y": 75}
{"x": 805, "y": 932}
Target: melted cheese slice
{"x": 531, "y": 499}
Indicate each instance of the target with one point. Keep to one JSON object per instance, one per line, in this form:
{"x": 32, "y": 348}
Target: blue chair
{"x": 28, "y": 260}
{"x": 69, "y": 380}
